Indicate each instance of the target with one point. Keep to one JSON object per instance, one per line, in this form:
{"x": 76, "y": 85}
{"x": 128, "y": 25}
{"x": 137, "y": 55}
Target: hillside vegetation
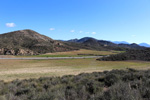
{"x": 76, "y": 53}
{"x": 28, "y": 42}
{"x": 143, "y": 55}
{"x": 114, "y": 85}
{"x": 105, "y": 45}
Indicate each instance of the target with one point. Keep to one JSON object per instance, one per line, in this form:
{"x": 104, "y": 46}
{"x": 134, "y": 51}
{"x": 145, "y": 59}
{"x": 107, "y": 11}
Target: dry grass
{"x": 81, "y": 52}
{"x": 24, "y": 69}
{"x": 84, "y": 51}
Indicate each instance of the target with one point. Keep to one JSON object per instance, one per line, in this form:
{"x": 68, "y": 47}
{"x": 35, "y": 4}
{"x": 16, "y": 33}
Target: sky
{"x": 115, "y": 20}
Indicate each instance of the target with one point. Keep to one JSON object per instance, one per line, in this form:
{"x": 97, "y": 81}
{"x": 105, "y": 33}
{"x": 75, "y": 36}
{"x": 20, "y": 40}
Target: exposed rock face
{"x": 5, "y": 51}
{"x": 25, "y": 52}
{"x": 28, "y": 42}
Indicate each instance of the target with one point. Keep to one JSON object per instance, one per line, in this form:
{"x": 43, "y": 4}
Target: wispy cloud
{"x": 133, "y": 35}
{"x": 80, "y": 31}
{"x": 10, "y": 24}
{"x": 52, "y": 29}
{"x": 72, "y": 31}
{"x": 93, "y": 32}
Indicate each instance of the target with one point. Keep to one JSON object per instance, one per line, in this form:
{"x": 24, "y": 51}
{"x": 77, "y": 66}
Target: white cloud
{"x": 72, "y": 31}
{"x": 93, "y": 32}
{"x": 80, "y": 31}
{"x": 10, "y": 24}
{"x": 52, "y": 29}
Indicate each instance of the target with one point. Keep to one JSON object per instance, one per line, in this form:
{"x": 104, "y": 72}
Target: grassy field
{"x": 76, "y": 53}
{"x": 24, "y": 69}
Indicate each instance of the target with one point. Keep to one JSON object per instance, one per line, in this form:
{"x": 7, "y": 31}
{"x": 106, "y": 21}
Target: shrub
{"x": 127, "y": 84}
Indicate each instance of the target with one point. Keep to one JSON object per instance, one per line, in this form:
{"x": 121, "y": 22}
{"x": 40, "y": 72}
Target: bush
{"x": 143, "y": 54}
{"x": 127, "y": 84}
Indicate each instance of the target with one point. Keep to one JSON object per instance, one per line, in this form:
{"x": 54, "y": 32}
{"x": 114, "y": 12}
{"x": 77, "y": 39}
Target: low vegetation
{"x": 143, "y": 54}
{"x": 25, "y": 69}
{"x": 127, "y": 84}
{"x": 76, "y": 53}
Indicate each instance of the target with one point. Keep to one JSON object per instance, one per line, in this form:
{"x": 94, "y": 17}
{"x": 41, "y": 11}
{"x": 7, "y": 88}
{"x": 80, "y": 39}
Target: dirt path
{"x": 45, "y": 58}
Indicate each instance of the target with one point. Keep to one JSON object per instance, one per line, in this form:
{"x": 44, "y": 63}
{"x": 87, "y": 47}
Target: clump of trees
{"x": 127, "y": 84}
{"x": 143, "y": 54}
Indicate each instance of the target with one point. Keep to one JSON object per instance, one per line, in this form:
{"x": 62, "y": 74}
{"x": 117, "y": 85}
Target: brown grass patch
{"x": 24, "y": 69}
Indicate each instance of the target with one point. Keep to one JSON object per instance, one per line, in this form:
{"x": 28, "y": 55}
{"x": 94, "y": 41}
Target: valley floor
{"x": 24, "y": 69}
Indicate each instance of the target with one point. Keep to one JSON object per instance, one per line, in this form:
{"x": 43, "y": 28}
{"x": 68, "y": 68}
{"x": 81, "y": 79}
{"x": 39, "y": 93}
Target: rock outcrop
{"x": 5, "y": 51}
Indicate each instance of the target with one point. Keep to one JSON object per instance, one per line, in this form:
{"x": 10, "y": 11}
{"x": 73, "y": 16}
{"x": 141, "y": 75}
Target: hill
{"x": 106, "y": 45}
{"x": 131, "y": 46}
{"x": 120, "y": 42}
{"x": 129, "y": 55}
{"x": 93, "y": 44}
{"x": 124, "y": 42}
{"x": 29, "y": 42}
{"x": 144, "y": 44}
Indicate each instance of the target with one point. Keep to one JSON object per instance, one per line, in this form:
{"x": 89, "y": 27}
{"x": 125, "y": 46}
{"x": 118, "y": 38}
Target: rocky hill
{"x": 29, "y": 42}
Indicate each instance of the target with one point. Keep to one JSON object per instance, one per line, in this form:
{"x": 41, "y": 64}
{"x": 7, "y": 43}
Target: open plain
{"x": 25, "y": 69}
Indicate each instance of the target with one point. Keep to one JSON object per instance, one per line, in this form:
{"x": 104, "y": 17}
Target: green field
{"x": 24, "y": 69}
{"x": 76, "y": 53}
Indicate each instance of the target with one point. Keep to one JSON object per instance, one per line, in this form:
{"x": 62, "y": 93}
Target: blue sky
{"x": 116, "y": 20}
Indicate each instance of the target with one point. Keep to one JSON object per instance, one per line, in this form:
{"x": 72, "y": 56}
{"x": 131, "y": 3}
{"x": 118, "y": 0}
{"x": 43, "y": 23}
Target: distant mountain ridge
{"x": 107, "y": 44}
{"x": 124, "y": 42}
{"x": 120, "y": 42}
{"x": 144, "y": 44}
{"x": 81, "y": 40}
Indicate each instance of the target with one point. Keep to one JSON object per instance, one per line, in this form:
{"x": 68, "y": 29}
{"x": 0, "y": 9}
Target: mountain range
{"x": 29, "y": 42}
{"x": 124, "y": 42}
{"x": 109, "y": 44}
{"x": 144, "y": 44}
{"x": 115, "y": 42}
{"x": 120, "y": 42}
